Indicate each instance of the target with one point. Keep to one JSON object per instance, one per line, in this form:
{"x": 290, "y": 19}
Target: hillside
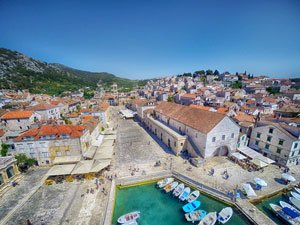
{"x": 18, "y": 71}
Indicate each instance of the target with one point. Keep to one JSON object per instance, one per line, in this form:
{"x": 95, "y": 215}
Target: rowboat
{"x": 297, "y": 189}
{"x": 209, "y": 219}
{"x": 284, "y": 204}
{"x": 170, "y": 187}
{"x": 193, "y": 196}
{"x": 295, "y": 202}
{"x": 195, "y": 215}
{"x": 183, "y": 196}
{"x": 178, "y": 190}
{"x": 164, "y": 182}
{"x": 132, "y": 216}
{"x": 192, "y": 206}
{"x": 285, "y": 214}
{"x": 225, "y": 215}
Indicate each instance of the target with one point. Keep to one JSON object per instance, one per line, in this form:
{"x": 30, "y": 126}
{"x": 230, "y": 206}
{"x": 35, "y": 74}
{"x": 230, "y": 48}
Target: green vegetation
{"x": 170, "y": 99}
{"x": 24, "y": 162}
{"x": 236, "y": 84}
{"x": 4, "y": 150}
{"x": 272, "y": 90}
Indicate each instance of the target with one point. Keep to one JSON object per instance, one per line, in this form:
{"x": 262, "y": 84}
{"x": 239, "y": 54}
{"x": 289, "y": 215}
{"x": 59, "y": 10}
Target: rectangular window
{"x": 232, "y": 135}
{"x": 256, "y": 143}
{"x": 278, "y": 150}
{"x": 258, "y": 135}
{"x": 280, "y": 142}
{"x": 271, "y": 131}
{"x": 295, "y": 145}
{"x": 213, "y": 139}
{"x": 196, "y": 135}
{"x": 223, "y": 137}
{"x": 269, "y": 138}
{"x": 267, "y": 146}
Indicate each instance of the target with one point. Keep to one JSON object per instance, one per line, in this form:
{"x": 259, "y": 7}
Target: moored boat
{"x": 284, "y": 204}
{"x": 285, "y": 214}
{"x": 193, "y": 196}
{"x": 171, "y": 186}
{"x": 225, "y": 215}
{"x": 297, "y": 189}
{"x": 295, "y": 202}
{"x": 209, "y": 219}
{"x": 133, "y": 222}
{"x": 184, "y": 194}
{"x": 195, "y": 215}
{"x": 178, "y": 190}
{"x": 132, "y": 216}
{"x": 164, "y": 182}
{"x": 192, "y": 206}
{"x": 295, "y": 195}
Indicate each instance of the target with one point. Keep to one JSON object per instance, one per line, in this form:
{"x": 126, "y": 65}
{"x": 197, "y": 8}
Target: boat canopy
{"x": 290, "y": 212}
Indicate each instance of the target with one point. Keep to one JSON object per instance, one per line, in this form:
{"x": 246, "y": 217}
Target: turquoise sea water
{"x": 265, "y": 207}
{"x": 159, "y": 208}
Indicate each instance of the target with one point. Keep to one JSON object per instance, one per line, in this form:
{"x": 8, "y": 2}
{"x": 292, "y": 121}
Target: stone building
{"x": 8, "y": 172}
{"x": 47, "y": 111}
{"x": 277, "y": 141}
{"x": 49, "y": 141}
{"x": 200, "y": 132}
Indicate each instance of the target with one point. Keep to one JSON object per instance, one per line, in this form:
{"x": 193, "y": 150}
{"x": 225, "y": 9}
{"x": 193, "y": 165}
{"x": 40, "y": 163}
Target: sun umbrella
{"x": 288, "y": 177}
{"x": 260, "y": 182}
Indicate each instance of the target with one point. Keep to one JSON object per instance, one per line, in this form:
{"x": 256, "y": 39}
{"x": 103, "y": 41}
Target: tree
{"x": 170, "y": 99}
{"x": 187, "y": 75}
{"x": 209, "y": 72}
{"x": 4, "y": 149}
{"x": 200, "y": 72}
{"x": 24, "y": 162}
{"x": 273, "y": 90}
{"x": 216, "y": 73}
{"x": 236, "y": 84}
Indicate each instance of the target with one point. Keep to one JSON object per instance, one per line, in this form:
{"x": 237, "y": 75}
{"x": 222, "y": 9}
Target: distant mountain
{"x": 18, "y": 71}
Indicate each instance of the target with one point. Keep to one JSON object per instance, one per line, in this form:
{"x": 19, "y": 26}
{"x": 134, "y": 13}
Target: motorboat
{"x": 285, "y": 214}
{"x": 164, "y": 182}
{"x": 132, "y": 216}
{"x": 171, "y": 186}
{"x": 195, "y": 215}
{"x": 225, "y": 215}
{"x": 284, "y": 204}
{"x": 133, "y": 222}
{"x": 178, "y": 190}
{"x": 297, "y": 189}
{"x": 209, "y": 219}
{"x": 295, "y": 195}
{"x": 295, "y": 202}
{"x": 193, "y": 196}
{"x": 183, "y": 196}
{"x": 192, "y": 206}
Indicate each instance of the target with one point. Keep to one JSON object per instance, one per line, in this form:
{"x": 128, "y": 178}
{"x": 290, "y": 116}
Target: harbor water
{"x": 160, "y": 208}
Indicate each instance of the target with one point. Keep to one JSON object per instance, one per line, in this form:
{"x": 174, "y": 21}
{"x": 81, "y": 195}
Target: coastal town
{"x": 232, "y": 136}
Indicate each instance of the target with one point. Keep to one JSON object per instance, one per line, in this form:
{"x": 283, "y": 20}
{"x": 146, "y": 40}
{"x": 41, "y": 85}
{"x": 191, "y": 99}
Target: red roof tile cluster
{"x": 193, "y": 96}
{"x": 201, "y": 120}
{"x": 42, "y": 106}
{"x": 207, "y": 108}
{"x": 72, "y": 131}
{"x": 103, "y": 106}
{"x": 17, "y": 115}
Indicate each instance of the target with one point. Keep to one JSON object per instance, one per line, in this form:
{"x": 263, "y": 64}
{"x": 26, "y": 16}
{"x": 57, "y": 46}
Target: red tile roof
{"x": 56, "y": 130}
{"x": 42, "y": 106}
{"x": 103, "y": 106}
{"x": 201, "y": 120}
{"x": 17, "y": 115}
{"x": 207, "y": 108}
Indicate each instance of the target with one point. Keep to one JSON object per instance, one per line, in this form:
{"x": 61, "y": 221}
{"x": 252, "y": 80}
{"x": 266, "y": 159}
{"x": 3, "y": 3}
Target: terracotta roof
{"x": 201, "y": 120}
{"x": 42, "y": 106}
{"x": 86, "y": 118}
{"x": 56, "y": 130}
{"x": 222, "y": 110}
{"x": 243, "y": 117}
{"x": 2, "y": 132}
{"x": 189, "y": 96}
{"x": 103, "y": 106}
{"x": 207, "y": 108}
{"x": 17, "y": 115}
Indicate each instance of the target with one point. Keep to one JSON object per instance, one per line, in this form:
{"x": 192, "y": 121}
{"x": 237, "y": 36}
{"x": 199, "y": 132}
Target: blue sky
{"x": 150, "y": 38}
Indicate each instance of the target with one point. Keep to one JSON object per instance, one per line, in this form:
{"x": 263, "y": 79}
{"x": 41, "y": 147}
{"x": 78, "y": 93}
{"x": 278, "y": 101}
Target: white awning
{"x": 238, "y": 156}
{"x": 259, "y": 163}
{"x": 91, "y": 152}
{"x": 255, "y": 155}
{"x": 104, "y": 152}
{"x": 66, "y": 159}
{"x": 59, "y": 170}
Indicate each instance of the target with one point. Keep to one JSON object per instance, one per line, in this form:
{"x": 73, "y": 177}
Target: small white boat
{"x": 295, "y": 195}
{"x": 225, "y": 215}
{"x": 170, "y": 187}
{"x": 183, "y": 196}
{"x": 132, "y": 216}
{"x": 297, "y": 189}
{"x": 284, "y": 204}
{"x": 133, "y": 222}
{"x": 286, "y": 214}
{"x": 164, "y": 182}
{"x": 178, "y": 190}
{"x": 209, "y": 219}
{"x": 193, "y": 196}
{"x": 295, "y": 202}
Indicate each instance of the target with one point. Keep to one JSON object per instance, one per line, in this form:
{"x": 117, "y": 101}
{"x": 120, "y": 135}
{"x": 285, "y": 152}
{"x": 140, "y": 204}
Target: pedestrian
{"x": 28, "y": 222}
